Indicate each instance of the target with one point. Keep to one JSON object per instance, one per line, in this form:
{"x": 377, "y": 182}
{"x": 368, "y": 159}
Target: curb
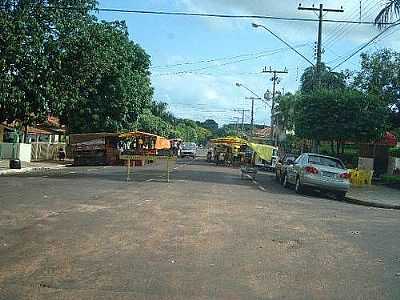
{"x": 371, "y": 204}
{"x": 30, "y": 170}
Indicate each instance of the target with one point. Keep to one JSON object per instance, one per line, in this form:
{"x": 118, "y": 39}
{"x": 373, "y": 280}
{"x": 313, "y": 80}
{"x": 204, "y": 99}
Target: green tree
{"x": 379, "y": 75}
{"x": 329, "y": 79}
{"x": 389, "y": 11}
{"x": 151, "y": 123}
{"x": 109, "y": 85}
{"x": 29, "y": 39}
{"x": 340, "y": 115}
{"x": 210, "y": 125}
{"x": 286, "y": 108}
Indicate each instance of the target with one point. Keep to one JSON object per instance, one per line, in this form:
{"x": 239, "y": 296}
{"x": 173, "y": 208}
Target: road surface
{"x": 86, "y": 233}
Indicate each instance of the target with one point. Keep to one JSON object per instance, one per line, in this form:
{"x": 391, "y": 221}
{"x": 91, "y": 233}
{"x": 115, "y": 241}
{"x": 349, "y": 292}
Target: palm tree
{"x": 388, "y": 13}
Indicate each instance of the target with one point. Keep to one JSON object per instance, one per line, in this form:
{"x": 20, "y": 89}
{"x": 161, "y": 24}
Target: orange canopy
{"x": 162, "y": 143}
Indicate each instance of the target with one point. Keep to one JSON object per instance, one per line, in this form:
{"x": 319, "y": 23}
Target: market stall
{"x": 264, "y": 155}
{"x": 143, "y": 146}
{"x": 95, "y": 149}
{"x": 228, "y": 151}
{"x": 140, "y": 147}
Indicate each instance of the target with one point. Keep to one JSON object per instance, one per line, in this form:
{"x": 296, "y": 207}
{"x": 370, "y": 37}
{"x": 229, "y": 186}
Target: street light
{"x": 252, "y": 103}
{"x": 282, "y": 40}
{"x": 245, "y": 87}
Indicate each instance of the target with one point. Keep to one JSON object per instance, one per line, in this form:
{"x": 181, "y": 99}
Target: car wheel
{"x": 299, "y": 186}
{"x": 340, "y": 196}
{"x": 285, "y": 181}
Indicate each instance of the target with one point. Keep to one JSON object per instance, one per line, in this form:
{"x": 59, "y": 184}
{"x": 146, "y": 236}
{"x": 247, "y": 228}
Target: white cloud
{"x": 215, "y": 96}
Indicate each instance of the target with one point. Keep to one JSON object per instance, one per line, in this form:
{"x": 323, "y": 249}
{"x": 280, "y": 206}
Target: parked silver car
{"x": 319, "y": 172}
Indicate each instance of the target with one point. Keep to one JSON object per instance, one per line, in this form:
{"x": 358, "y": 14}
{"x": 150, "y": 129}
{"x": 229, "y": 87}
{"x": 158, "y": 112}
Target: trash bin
{"x": 15, "y": 164}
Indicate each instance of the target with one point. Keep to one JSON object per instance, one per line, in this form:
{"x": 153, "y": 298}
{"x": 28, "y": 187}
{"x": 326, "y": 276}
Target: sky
{"x": 197, "y": 61}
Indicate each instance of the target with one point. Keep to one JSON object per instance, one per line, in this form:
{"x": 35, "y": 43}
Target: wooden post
{"x": 129, "y": 170}
{"x": 168, "y": 169}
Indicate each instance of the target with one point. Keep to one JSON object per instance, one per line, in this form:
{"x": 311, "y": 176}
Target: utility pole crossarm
{"x": 317, "y": 9}
{"x": 321, "y": 11}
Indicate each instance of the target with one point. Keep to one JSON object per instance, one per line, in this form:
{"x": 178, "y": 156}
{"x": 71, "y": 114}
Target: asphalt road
{"x": 86, "y": 233}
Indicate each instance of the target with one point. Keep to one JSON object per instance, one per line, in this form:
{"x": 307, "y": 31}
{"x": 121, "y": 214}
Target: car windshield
{"x": 189, "y": 146}
{"x": 290, "y": 158}
{"x": 325, "y": 161}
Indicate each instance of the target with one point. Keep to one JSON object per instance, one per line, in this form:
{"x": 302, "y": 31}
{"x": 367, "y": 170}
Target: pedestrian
{"x": 61, "y": 154}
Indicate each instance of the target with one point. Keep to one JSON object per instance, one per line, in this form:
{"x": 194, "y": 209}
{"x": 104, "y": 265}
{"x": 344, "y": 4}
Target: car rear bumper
{"x": 330, "y": 184}
{"x": 188, "y": 153}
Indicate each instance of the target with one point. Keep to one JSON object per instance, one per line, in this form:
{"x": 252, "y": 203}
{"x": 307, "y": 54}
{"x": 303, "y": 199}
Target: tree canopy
{"x": 329, "y": 79}
{"x": 379, "y": 75}
{"x": 65, "y": 63}
{"x": 340, "y": 115}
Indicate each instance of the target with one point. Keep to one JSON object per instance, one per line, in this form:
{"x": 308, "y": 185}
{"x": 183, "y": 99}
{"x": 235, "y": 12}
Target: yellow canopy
{"x": 230, "y": 140}
{"x": 136, "y": 134}
{"x": 265, "y": 152}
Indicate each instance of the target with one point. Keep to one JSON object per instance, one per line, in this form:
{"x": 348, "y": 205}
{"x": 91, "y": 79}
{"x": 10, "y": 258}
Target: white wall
{"x": 394, "y": 163}
{"x": 365, "y": 163}
{"x": 25, "y": 151}
{"x": 12, "y": 151}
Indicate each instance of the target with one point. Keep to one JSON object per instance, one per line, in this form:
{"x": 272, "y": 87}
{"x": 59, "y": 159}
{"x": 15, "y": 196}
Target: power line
{"x": 211, "y": 15}
{"x": 224, "y": 58}
{"x": 342, "y": 27}
{"x": 219, "y": 65}
{"x": 366, "y": 44}
{"x": 350, "y": 27}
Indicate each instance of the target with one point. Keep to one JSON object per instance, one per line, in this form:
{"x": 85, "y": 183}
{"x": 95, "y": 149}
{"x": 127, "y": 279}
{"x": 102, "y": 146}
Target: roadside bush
{"x": 395, "y": 152}
{"x": 349, "y": 159}
{"x": 391, "y": 179}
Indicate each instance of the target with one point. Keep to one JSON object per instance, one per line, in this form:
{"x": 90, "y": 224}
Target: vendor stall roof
{"x": 230, "y": 140}
{"x": 136, "y": 134}
{"x": 161, "y": 142}
{"x": 83, "y": 137}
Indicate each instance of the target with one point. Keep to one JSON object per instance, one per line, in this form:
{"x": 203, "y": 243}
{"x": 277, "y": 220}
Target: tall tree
{"x": 210, "y": 125}
{"x": 379, "y": 75}
{"x": 104, "y": 79}
{"x": 340, "y": 115}
{"x": 329, "y": 79}
{"x": 390, "y": 11}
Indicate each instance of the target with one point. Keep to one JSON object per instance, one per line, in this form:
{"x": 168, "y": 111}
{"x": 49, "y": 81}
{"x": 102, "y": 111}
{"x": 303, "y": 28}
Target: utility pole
{"x": 320, "y": 11}
{"x": 236, "y": 124}
{"x": 243, "y": 112}
{"x": 252, "y": 112}
{"x": 275, "y": 81}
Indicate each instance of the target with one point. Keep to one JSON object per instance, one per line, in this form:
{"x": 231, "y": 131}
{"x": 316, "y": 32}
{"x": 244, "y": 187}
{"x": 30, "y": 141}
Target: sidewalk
{"x": 376, "y": 196}
{"x": 31, "y": 166}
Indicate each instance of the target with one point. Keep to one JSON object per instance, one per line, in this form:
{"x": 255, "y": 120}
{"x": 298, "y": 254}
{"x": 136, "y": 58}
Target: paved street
{"x": 86, "y": 233}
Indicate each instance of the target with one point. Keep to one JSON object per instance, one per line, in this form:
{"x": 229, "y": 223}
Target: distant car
{"x": 189, "y": 150}
{"x": 319, "y": 172}
{"x": 281, "y": 165}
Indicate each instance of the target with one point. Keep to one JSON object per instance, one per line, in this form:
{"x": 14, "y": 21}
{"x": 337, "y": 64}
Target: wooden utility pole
{"x": 242, "y": 111}
{"x": 275, "y": 81}
{"x": 320, "y": 11}
{"x": 318, "y": 72}
{"x": 252, "y": 112}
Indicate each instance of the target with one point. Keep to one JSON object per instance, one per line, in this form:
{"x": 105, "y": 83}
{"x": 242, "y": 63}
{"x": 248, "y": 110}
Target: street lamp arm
{"x": 283, "y": 41}
{"x": 245, "y": 87}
